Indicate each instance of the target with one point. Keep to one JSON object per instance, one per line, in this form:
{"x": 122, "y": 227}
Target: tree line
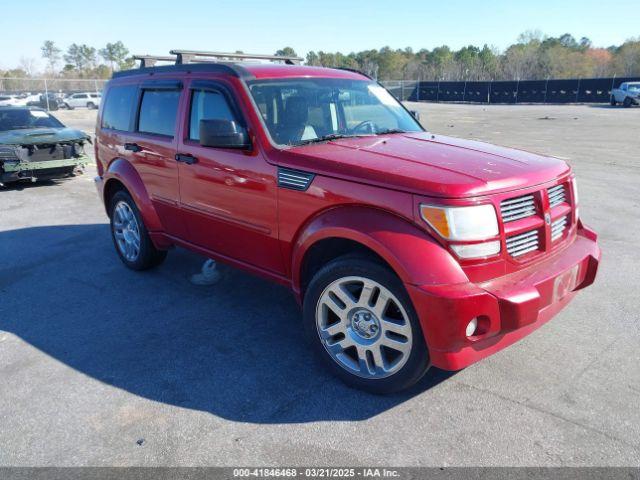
{"x": 533, "y": 56}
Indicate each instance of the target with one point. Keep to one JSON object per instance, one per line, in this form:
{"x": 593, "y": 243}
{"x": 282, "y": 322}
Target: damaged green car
{"x": 34, "y": 145}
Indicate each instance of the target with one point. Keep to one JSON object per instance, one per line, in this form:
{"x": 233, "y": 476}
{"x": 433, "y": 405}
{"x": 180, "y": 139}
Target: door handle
{"x": 132, "y": 147}
{"x": 186, "y": 158}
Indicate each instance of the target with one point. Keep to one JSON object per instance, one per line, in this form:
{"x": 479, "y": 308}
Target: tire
{"x": 627, "y": 102}
{"x": 91, "y": 105}
{"x": 129, "y": 234}
{"x": 366, "y": 353}
{"x": 613, "y": 101}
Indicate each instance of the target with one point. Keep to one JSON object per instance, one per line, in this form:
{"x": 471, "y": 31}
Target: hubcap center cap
{"x": 365, "y": 324}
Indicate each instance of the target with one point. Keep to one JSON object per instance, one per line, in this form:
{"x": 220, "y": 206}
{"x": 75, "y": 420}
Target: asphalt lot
{"x": 103, "y": 366}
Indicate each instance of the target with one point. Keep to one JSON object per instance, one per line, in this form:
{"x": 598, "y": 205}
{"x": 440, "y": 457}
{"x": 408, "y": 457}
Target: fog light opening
{"x": 472, "y": 327}
{"x": 477, "y": 326}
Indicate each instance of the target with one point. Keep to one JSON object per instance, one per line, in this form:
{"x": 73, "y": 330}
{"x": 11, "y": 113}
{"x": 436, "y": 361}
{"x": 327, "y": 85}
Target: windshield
{"x": 20, "y": 118}
{"x": 308, "y": 110}
{"x": 634, "y": 87}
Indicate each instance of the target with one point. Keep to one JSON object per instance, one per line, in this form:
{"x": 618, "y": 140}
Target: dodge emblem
{"x": 547, "y": 218}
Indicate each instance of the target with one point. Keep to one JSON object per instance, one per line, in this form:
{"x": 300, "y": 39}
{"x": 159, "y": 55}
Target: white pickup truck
{"x": 627, "y": 94}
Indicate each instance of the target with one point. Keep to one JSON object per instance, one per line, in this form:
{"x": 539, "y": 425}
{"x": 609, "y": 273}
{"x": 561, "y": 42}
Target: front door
{"x": 152, "y": 149}
{"x": 228, "y": 196}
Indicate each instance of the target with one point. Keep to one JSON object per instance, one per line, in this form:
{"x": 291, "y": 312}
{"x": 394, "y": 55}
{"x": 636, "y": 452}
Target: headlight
{"x": 462, "y": 223}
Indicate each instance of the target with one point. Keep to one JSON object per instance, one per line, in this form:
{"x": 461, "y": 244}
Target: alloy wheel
{"x": 364, "y": 327}
{"x": 126, "y": 231}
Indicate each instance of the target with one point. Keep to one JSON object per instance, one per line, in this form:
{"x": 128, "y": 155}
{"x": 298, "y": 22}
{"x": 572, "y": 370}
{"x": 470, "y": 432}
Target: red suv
{"x": 406, "y": 249}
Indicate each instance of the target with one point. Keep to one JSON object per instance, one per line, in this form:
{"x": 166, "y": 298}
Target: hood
{"x": 34, "y": 136}
{"x": 427, "y": 164}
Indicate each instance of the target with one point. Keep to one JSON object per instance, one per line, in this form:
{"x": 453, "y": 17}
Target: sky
{"x": 254, "y": 26}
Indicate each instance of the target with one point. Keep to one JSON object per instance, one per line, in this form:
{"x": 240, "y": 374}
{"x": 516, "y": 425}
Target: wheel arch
{"x": 410, "y": 252}
{"x": 120, "y": 174}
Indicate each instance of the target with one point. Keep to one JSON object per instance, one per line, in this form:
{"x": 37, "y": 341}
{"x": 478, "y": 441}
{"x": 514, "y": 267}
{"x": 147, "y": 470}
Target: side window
{"x": 207, "y": 105}
{"x": 158, "y": 111}
{"x": 82, "y": 95}
{"x": 118, "y": 107}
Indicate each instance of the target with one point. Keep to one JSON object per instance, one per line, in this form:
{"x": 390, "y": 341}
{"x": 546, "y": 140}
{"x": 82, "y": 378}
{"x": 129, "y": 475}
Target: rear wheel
{"x": 627, "y": 102}
{"x": 362, "y": 324}
{"x": 130, "y": 236}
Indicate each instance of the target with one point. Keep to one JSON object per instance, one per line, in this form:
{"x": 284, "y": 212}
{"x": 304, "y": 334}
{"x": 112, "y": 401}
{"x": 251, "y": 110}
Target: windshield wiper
{"x": 390, "y": 130}
{"x": 331, "y": 136}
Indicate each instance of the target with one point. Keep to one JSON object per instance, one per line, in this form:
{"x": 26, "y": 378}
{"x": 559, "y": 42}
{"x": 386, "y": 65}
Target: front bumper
{"x": 14, "y": 171}
{"x": 508, "y": 308}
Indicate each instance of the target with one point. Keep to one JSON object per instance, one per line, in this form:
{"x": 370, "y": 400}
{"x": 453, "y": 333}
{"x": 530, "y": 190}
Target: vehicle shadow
{"x": 25, "y": 184}
{"x": 235, "y": 349}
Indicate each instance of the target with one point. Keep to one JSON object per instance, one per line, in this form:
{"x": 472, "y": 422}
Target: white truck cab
{"x": 627, "y": 94}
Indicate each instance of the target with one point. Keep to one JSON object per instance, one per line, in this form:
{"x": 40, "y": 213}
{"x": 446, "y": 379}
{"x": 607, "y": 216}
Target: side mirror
{"x": 223, "y": 134}
{"x": 415, "y": 114}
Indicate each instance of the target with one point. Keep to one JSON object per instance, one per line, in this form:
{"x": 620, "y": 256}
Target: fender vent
{"x": 294, "y": 179}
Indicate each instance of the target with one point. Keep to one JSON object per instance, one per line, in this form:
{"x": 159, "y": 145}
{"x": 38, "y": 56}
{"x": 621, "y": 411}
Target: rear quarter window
{"x": 119, "y": 107}
{"x": 158, "y": 111}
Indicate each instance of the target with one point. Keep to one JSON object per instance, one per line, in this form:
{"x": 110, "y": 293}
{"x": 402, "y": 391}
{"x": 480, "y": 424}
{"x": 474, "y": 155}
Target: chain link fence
{"x": 48, "y": 93}
{"x": 577, "y": 90}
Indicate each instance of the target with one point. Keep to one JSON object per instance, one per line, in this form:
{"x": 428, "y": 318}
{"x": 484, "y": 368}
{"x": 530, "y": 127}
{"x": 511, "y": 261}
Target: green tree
{"x": 286, "y": 52}
{"x": 51, "y": 54}
{"x": 115, "y": 54}
{"x": 80, "y": 58}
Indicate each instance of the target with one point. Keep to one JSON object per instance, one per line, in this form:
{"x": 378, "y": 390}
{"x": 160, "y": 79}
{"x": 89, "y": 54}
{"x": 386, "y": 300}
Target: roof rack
{"x": 151, "y": 60}
{"x": 186, "y": 56}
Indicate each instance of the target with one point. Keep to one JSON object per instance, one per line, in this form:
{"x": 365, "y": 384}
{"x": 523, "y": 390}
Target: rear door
{"x": 151, "y": 147}
{"x": 228, "y": 196}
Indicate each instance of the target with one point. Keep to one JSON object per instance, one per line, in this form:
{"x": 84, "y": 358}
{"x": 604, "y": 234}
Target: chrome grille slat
{"x": 517, "y": 208}
{"x": 516, "y": 200}
{"x": 530, "y": 213}
{"x": 529, "y": 247}
{"x": 556, "y": 195}
{"x": 515, "y": 238}
{"x": 523, "y": 243}
{"x": 558, "y": 227}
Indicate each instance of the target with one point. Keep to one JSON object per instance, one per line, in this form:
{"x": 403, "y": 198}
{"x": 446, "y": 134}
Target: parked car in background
{"x": 48, "y": 101}
{"x": 627, "y": 94}
{"x": 406, "y": 249}
{"x": 12, "y": 100}
{"x": 90, "y": 100}
{"x": 34, "y": 145}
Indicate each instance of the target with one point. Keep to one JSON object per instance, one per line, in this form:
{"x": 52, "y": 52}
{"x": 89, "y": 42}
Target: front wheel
{"x": 91, "y": 105}
{"x": 362, "y": 324}
{"x": 613, "y": 101}
{"x": 130, "y": 236}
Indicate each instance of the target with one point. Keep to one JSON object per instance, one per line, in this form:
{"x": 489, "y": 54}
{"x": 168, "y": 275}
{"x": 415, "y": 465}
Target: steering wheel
{"x": 366, "y": 126}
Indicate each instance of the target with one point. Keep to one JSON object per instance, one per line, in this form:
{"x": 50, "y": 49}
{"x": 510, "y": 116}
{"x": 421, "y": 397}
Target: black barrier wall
{"x": 577, "y": 90}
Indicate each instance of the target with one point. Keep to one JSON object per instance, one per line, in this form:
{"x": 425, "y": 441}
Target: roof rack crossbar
{"x": 186, "y": 56}
{"x": 151, "y": 60}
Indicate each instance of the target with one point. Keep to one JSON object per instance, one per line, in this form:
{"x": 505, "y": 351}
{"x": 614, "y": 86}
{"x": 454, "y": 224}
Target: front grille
{"x": 8, "y": 153}
{"x": 556, "y": 195}
{"x": 520, "y": 244}
{"x": 517, "y": 208}
{"x": 558, "y": 227}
